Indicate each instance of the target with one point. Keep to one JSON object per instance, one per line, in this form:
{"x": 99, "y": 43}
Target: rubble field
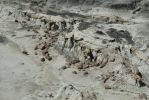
{"x": 98, "y": 54}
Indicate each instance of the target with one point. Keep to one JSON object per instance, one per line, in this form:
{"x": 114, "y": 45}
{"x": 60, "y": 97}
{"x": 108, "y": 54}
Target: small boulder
{"x": 42, "y": 59}
{"x": 142, "y": 96}
{"x": 107, "y": 87}
{"x": 74, "y": 72}
{"x": 36, "y": 47}
{"x": 49, "y": 58}
{"x": 100, "y": 33}
{"x": 25, "y": 52}
{"x": 85, "y": 73}
{"x": 79, "y": 66}
{"x": 16, "y": 21}
{"x": 64, "y": 67}
{"x": 45, "y": 52}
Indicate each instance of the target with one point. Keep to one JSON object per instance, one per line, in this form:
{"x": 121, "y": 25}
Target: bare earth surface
{"x": 36, "y": 65}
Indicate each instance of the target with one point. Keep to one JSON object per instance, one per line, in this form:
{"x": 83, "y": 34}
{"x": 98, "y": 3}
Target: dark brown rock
{"x": 64, "y": 67}
{"x": 43, "y": 46}
{"x": 85, "y": 73}
{"x": 25, "y": 52}
{"x": 45, "y": 52}
{"x": 75, "y": 61}
{"x": 36, "y": 47}
{"x": 79, "y": 66}
{"x": 74, "y": 72}
{"x": 42, "y": 59}
{"x": 49, "y": 58}
{"x": 35, "y": 31}
{"x": 107, "y": 87}
{"x": 16, "y": 21}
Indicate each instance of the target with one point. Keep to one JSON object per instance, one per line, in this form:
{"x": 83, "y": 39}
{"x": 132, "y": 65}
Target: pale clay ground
{"x": 25, "y": 77}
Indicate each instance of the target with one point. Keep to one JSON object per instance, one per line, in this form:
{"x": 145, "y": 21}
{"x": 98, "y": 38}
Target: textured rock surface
{"x": 74, "y": 50}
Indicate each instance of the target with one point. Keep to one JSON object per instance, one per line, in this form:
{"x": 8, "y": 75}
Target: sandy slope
{"x": 19, "y": 74}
